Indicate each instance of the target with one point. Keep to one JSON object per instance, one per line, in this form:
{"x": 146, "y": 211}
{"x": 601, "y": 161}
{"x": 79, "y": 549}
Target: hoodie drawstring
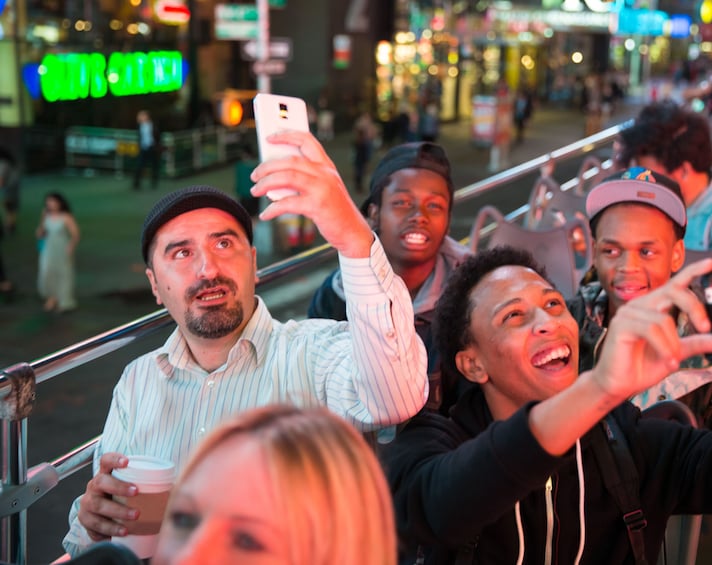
{"x": 582, "y": 518}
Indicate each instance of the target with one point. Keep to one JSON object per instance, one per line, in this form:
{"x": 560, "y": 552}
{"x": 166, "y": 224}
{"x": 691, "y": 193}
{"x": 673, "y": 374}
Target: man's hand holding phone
{"x": 318, "y": 192}
{"x": 273, "y": 114}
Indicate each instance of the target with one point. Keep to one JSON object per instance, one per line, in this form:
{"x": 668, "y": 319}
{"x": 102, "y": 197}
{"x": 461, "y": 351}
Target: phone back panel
{"x": 275, "y": 113}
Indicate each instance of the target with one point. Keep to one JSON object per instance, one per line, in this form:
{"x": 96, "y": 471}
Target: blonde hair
{"x": 335, "y": 500}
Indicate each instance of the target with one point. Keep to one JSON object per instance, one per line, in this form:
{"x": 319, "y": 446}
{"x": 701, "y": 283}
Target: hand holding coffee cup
{"x": 154, "y": 478}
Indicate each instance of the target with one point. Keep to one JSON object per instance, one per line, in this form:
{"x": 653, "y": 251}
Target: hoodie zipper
{"x": 549, "y": 521}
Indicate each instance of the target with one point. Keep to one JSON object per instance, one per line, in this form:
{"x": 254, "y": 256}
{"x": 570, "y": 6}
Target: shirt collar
{"x": 175, "y": 352}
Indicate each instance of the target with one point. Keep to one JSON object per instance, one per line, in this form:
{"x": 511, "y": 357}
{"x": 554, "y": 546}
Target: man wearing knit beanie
{"x": 228, "y": 354}
{"x": 409, "y": 206}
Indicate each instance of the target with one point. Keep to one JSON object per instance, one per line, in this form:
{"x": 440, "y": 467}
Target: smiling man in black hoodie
{"x": 506, "y": 478}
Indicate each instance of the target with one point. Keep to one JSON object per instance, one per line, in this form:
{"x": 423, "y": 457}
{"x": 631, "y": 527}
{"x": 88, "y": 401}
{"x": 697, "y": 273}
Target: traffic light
{"x": 231, "y": 112}
{"x": 234, "y": 107}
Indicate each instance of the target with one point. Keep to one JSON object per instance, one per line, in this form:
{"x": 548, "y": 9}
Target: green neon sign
{"x": 74, "y": 76}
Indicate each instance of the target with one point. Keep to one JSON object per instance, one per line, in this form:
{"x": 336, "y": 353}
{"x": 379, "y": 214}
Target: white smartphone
{"x": 274, "y": 113}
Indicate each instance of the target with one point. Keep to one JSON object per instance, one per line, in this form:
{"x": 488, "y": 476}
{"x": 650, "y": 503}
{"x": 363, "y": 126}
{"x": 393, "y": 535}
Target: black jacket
{"x": 456, "y": 481}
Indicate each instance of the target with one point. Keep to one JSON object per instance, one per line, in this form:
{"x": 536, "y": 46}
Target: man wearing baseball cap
{"x": 228, "y": 354}
{"x": 409, "y": 206}
{"x": 638, "y": 221}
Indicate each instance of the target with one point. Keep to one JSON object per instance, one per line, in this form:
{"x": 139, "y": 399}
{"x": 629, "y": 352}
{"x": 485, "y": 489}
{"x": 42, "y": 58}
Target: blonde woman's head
{"x": 281, "y": 486}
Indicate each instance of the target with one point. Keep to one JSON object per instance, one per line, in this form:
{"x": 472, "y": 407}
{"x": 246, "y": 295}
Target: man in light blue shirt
{"x": 228, "y": 354}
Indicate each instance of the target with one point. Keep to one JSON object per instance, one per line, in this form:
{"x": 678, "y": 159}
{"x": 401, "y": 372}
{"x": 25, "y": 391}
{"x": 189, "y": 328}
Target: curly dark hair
{"x": 453, "y": 310}
{"x": 671, "y": 134}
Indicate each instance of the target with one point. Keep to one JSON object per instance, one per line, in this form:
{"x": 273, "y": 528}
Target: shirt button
{"x": 201, "y": 431}
{"x": 661, "y": 397}
{"x": 211, "y": 384}
{"x": 391, "y": 334}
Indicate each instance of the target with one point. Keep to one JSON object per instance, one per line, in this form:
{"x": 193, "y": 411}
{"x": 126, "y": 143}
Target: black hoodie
{"x": 456, "y": 482}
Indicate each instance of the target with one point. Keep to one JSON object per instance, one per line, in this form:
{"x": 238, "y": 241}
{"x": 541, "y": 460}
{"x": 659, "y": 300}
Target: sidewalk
{"x": 111, "y": 285}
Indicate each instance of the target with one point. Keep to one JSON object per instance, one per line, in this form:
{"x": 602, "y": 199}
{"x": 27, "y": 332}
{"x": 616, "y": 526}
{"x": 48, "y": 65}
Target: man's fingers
{"x": 99, "y": 513}
{"x": 676, "y": 292}
{"x": 112, "y": 460}
{"x": 308, "y": 145}
{"x": 295, "y": 177}
{"x": 697, "y": 344}
{"x": 101, "y": 524}
{"x": 97, "y": 536}
{"x": 657, "y": 329}
{"x": 690, "y": 272}
{"x": 660, "y": 332}
{"x": 105, "y": 485}
{"x": 316, "y": 191}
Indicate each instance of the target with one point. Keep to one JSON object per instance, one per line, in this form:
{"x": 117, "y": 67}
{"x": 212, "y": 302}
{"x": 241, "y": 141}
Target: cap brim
{"x": 619, "y": 191}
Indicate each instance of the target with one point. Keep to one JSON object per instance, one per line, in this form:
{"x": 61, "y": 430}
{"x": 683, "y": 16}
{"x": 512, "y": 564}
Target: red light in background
{"x": 171, "y": 12}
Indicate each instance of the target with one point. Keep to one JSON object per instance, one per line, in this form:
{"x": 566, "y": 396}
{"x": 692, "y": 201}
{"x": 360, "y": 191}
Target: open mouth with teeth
{"x": 552, "y": 359}
{"x": 211, "y": 296}
{"x": 416, "y": 239}
{"x": 628, "y": 291}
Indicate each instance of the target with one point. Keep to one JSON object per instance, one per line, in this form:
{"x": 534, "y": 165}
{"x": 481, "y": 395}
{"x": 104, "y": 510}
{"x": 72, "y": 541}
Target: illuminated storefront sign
{"x": 74, "y": 76}
{"x": 679, "y": 25}
{"x": 556, "y": 19}
{"x": 643, "y": 22}
{"x": 601, "y": 6}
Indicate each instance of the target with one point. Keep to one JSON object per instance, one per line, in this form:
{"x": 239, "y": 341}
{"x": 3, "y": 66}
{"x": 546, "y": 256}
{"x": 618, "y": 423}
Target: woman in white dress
{"x": 59, "y": 235}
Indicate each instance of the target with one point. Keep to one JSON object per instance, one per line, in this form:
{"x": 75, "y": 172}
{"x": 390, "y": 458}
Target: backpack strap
{"x": 620, "y": 477}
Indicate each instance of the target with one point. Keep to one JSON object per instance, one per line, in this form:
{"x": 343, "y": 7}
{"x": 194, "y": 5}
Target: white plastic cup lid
{"x": 148, "y": 471}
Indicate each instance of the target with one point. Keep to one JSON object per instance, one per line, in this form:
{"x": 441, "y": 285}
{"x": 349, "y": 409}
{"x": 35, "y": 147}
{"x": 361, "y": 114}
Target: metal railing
{"x": 183, "y": 152}
{"x": 23, "y": 486}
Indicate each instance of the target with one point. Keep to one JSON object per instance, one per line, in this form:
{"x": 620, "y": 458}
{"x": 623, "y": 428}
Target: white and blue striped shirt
{"x": 370, "y": 370}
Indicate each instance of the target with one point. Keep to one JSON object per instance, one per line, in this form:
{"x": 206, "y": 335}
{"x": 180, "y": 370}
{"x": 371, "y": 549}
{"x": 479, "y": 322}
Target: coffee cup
{"x": 153, "y": 478}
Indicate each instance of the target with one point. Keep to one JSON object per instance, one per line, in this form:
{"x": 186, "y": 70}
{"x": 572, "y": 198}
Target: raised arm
{"x": 641, "y": 349}
{"x": 321, "y": 194}
{"x": 380, "y": 377}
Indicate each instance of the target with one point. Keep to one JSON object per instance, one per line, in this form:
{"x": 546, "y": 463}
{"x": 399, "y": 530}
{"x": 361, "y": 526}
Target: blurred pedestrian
{"x": 593, "y": 105}
{"x": 10, "y": 188}
{"x": 149, "y": 149}
{"x": 324, "y": 119}
{"x": 429, "y": 123}
{"x": 6, "y": 286}
{"x": 364, "y": 136}
{"x": 59, "y": 233}
{"x": 325, "y": 124}
{"x": 522, "y": 112}
{"x": 406, "y": 123}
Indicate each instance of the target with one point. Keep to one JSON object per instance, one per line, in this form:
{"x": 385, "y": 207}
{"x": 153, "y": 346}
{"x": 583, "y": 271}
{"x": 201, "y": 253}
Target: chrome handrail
{"x": 15, "y": 407}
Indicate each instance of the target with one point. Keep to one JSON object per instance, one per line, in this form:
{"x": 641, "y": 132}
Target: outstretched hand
{"x": 320, "y": 194}
{"x": 642, "y": 346}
